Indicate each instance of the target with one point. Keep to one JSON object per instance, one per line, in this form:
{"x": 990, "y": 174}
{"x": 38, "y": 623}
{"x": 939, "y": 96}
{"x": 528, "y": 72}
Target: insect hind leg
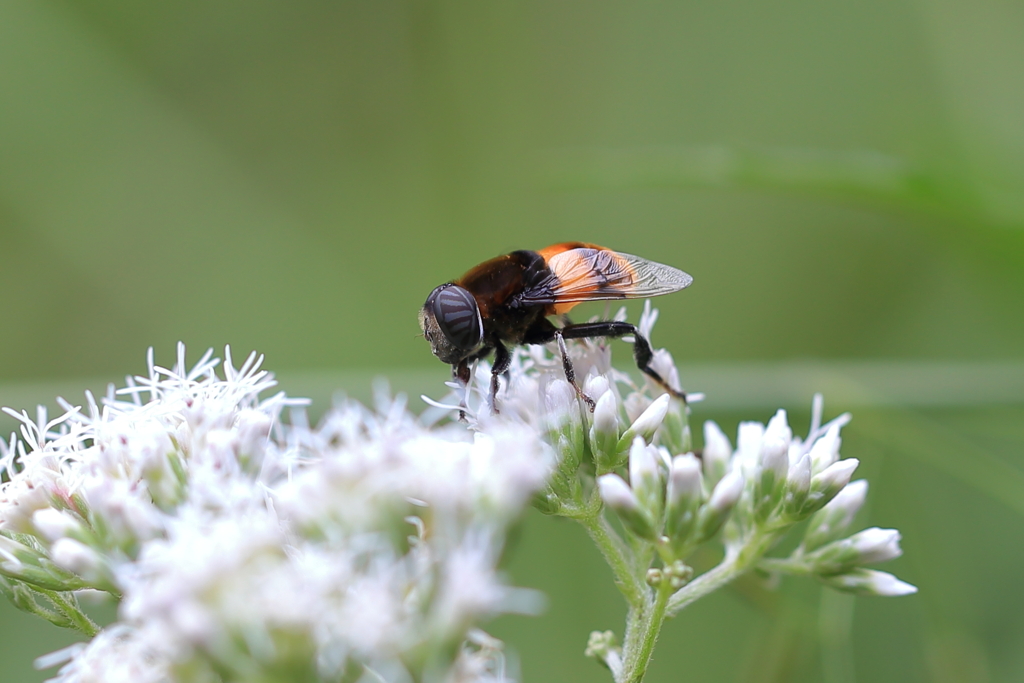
{"x": 642, "y": 353}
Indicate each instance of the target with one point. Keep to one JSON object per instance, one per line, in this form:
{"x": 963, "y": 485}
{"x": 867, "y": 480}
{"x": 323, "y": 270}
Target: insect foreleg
{"x": 502, "y": 361}
{"x": 642, "y": 353}
{"x": 461, "y": 372}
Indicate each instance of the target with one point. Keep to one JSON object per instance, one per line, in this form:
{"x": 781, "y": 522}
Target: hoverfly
{"x": 507, "y": 300}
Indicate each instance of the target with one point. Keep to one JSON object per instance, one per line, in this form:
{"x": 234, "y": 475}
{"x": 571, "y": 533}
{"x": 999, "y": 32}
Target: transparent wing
{"x": 585, "y": 274}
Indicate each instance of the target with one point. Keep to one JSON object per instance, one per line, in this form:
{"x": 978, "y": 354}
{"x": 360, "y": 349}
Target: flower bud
{"x": 604, "y": 647}
{"x": 825, "y": 450}
{"x": 870, "y": 582}
{"x": 867, "y": 547}
{"x": 723, "y": 499}
{"x": 778, "y": 429}
{"x": 826, "y": 485}
{"x": 565, "y": 428}
{"x": 53, "y": 524}
{"x": 596, "y": 386}
{"x": 774, "y": 468}
{"x": 547, "y": 502}
{"x": 748, "y": 442}
{"x": 717, "y": 451}
{"x": 798, "y": 485}
{"x": 604, "y": 433}
{"x": 685, "y": 493}
{"x": 678, "y": 574}
{"x": 675, "y": 432}
{"x": 653, "y": 577}
{"x": 876, "y": 545}
{"x": 559, "y": 403}
{"x": 645, "y": 478}
{"x": 15, "y": 553}
{"x": 617, "y": 495}
{"x": 832, "y": 521}
{"x": 727, "y": 492}
{"x": 80, "y": 559}
{"x": 647, "y": 423}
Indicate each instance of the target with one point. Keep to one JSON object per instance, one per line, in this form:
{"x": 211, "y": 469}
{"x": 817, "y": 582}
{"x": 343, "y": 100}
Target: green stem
{"x": 734, "y": 564}
{"x": 637, "y": 659}
{"x": 708, "y": 582}
{"x": 619, "y": 558}
{"x": 795, "y": 567}
{"x": 69, "y": 608}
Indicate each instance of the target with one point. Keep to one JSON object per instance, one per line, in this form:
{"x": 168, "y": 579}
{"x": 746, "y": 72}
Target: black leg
{"x": 461, "y": 373}
{"x": 502, "y": 361}
{"x": 570, "y": 372}
{"x": 642, "y": 353}
{"x": 542, "y": 332}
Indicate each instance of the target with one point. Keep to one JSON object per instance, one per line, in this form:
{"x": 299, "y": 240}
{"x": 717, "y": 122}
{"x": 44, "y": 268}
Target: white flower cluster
{"x": 245, "y": 549}
{"x": 788, "y": 480}
{"x": 241, "y": 548}
{"x": 633, "y": 456}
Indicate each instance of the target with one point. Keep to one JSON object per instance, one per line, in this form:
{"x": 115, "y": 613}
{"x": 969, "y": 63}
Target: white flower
{"x": 727, "y": 492}
{"x": 685, "y": 481}
{"x": 234, "y": 538}
{"x": 246, "y": 547}
{"x": 825, "y": 451}
{"x": 618, "y": 496}
{"x": 871, "y": 582}
{"x": 717, "y": 452}
{"x": 834, "y": 519}
{"x": 116, "y": 655}
{"x": 647, "y": 423}
{"x": 616, "y": 493}
{"x": 52, "y": 524}
{"x": 876, "y": 545}
{"x": 78, "y": 558}
{"x": 834, "y": 478}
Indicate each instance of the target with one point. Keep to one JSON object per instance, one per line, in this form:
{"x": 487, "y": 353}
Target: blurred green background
{"x": 845, "y": 182}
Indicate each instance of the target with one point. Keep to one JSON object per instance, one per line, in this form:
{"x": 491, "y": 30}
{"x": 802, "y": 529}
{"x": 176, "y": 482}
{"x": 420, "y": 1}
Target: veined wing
{"x": 591, "y": 273}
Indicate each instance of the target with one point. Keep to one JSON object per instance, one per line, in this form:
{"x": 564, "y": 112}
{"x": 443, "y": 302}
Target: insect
{"x": 507, "y": 302}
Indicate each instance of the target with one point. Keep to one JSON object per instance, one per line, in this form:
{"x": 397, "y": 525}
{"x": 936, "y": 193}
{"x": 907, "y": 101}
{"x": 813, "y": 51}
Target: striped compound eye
{"x": 458, "y": 317}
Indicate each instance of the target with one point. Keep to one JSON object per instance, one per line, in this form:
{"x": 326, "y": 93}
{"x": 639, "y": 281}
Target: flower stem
{"x": 619, "y": 558}
{"x": 68, "y": 607}
{"x": 708, "y": 582}
{"x": 796, "y": 567}
{"x": 636, "y": 659}
{"x": 736, "y": 562}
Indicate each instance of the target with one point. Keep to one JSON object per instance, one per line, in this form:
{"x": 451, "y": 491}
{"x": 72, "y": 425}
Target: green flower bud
{"x": 685, "y": 494}
{"x": 826, "y": 485}
{"x": 717, "y": 451}
{"x": 832, "y": 521}
{"x": 647, "y": 423}
{"x": 870, "y": 582}
{"x": 645, "y": 478}
{"x": 798, "y": 486}
{"x": 604, "y": 433}
{"x": 617, "y": 495}
{"x": 866, "y": 547}
{"x": 723, "y": 499}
